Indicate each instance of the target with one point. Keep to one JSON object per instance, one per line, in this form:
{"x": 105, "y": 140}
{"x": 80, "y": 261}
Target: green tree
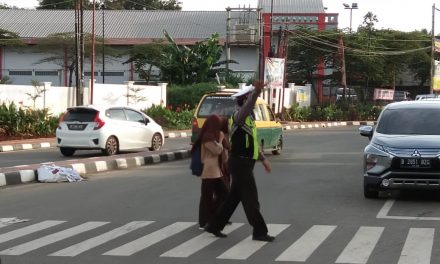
{"x": 307, "y": 49}
{"x": 145, "y": 57}
{"x": 62, "y": 48}
{"x": 56, "y": 4}
{"x": 181, "y": 64}
{"x": 8, "y": 38}
{"x": 144, "y": 4}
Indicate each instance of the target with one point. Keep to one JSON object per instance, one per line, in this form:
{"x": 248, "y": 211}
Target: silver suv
{"x": 404, "y": 148}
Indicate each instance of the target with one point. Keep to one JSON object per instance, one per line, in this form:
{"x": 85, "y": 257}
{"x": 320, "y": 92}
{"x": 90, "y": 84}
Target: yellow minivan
{"x": 269, "y": 129}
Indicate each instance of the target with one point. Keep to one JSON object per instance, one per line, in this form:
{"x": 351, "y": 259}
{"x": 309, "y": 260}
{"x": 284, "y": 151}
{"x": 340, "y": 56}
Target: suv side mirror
{"x": 366, "y": 131}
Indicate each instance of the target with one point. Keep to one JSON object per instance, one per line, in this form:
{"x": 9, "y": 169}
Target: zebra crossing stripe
{"x": 150, "y": 239}
{"x": 418, "y": 246}
{"x": 197, "y": 243}
{"x": 101, "y": 239}
{"x": 28, "y": 230}
{"x": 49, "y": 239}
{"x": 247, "y": 247}
{"x": 304, "y": 247}
{"x": 361, "y": 246}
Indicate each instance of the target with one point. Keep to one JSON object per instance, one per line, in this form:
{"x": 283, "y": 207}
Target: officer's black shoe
{"x": 265, "y": 237}
{"x": 215, "y": 233}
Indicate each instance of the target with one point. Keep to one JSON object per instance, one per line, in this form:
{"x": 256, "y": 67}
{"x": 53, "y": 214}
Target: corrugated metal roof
{"x": 291, "y": 6}
{"x": 143, "y": 24}
{"x": 117, "y": 23}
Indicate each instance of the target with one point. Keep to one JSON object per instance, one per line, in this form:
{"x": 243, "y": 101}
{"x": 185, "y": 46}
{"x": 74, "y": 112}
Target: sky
{"x": 404, "y": 15}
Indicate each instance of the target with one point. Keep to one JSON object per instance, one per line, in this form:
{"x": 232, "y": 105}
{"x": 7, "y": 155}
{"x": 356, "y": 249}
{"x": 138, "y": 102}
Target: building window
{"x": 89, "y": 73}
{"x": 112, "y": 74}
{"x": 20, "y": 73}
{"x": 46, "y": 73}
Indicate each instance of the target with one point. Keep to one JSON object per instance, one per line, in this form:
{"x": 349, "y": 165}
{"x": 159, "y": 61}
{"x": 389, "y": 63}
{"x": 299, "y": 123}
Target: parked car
{"x": 269, "y": 130}
{"x": 404, "y": 148}
{"x": 425, "y": 96}
{"x": 350, "y": 94}
{"x": 110, "y": 129}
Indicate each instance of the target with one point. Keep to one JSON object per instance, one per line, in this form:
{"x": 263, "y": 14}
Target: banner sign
{"x": 274, "y": 78}
{"x": 383, "y": 94}
{"x": 274, "y": 72}
{"x": 436, "y": 77}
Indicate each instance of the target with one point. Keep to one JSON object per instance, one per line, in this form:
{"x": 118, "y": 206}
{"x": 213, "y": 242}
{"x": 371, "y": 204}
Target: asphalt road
{"x": 313, "y": 202}
{"x": 48, "y": 155}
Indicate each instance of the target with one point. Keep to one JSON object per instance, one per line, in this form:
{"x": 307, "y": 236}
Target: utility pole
{"x": 81, "y": 41}
{"x": 77, "y": 55}
{"x": 92, "y": 63}
{"x": 228, "y": 40}
{"x": 103, "y": 39}
{"x": 433, "y": 50}
{"x": 353, "y": 6}
{"x": 271, "y": 50}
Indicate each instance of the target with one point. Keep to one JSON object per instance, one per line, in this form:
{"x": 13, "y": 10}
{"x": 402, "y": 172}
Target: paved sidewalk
{"x": 28, "y": 173}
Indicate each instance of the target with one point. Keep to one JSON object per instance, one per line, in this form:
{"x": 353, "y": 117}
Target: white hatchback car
{"x": 108, "y": 128}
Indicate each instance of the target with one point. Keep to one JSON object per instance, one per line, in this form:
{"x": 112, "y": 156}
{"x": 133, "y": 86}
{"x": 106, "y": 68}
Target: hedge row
{"x": 19, "y": 122}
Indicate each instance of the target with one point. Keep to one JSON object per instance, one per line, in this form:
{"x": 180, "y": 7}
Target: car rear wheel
{"x": 279, "y": 147}
{"x": 111, "y": 146}
{"x": 156, "y": 142}
{"x": 67, "y": 151}
{"x": 370, "y": 193}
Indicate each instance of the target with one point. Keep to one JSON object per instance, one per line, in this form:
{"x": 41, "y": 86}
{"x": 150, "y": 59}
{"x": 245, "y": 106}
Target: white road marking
{"x": 49, "y": 239}
{"x": 197, "y": 243}
{"x": 150, "y": 239}
{"x": 303, "y": 248}
{"x": 247, "y": 247}
{"x": 383, "y": 214}
{"x": 361, "y": 246}
{"x": 101, "y": 239}
{"x": 418, "y": 246}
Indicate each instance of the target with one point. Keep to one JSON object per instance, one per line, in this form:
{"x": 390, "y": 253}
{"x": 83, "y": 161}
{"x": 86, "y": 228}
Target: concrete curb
{"x": 51, "y": 143}
{"x": 90, "y": 167}
{"x": 287, "y": 126}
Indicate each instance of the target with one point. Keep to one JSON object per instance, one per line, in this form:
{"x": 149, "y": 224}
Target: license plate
{"x": 76, "y": 126}
{"x": 415, "y": 163}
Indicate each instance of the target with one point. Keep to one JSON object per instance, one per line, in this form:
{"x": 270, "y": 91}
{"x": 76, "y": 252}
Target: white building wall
{"x": 24, "y": 60}
{"x": 247, "y": 58}
{"x": 58, "y": 98}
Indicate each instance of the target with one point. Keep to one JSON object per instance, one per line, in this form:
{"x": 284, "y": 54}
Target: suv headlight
{"x": 376, "y": 159}
{"x": 370, "y": 161}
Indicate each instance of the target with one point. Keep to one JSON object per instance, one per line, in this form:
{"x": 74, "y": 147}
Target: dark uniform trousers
{"x": 244, "y": 190}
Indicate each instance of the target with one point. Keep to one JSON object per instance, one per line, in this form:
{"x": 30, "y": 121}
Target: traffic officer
{"x": 244, "y": 153}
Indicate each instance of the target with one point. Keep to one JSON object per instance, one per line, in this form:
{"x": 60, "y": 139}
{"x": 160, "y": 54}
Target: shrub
{"x": 19, "y": 122}
{"x": 188, "y": 95}
{"x": 170, "y": 119}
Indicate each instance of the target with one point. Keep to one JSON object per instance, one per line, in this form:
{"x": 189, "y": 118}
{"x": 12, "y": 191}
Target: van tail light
{"x": 195, "y": 130}
{"x": 98, "y": 122}
{"x": 195, "y": 124}
{"x": 61, "y": 120}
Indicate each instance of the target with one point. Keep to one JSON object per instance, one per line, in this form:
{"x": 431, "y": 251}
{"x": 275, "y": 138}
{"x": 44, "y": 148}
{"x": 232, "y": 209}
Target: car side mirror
{"x": 146, "y": 121}
{"x": 366, "y": 131}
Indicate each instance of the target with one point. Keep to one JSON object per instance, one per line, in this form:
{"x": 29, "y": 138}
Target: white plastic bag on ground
{"x": 54, "y": 173}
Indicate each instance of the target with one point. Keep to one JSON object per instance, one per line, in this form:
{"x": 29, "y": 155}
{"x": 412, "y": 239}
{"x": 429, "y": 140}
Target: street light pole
{"x": 103, "y": 39}
{"x": 353, "y": 6}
